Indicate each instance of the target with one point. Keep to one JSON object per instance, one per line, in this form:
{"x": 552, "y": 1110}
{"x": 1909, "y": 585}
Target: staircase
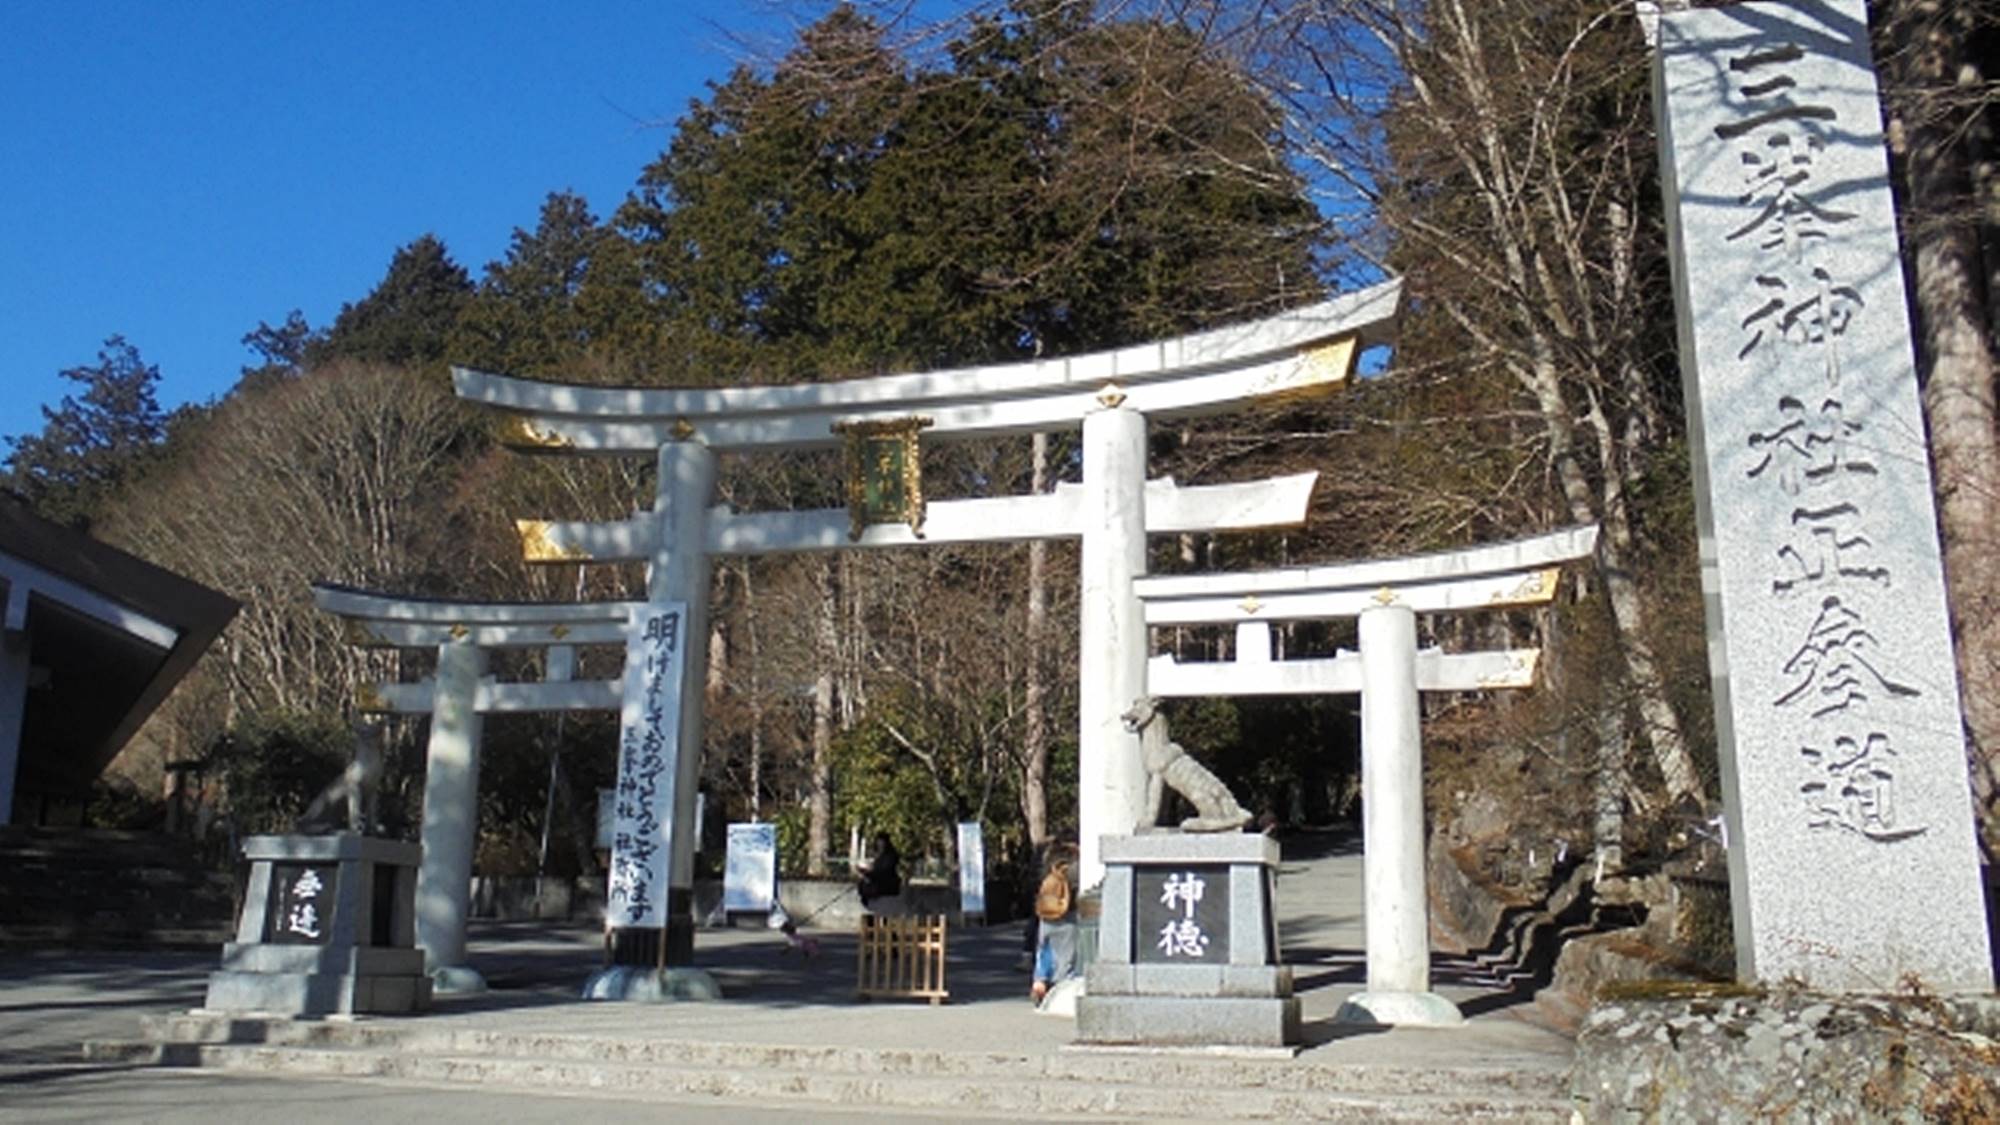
{"x": 93, "y": 888}
{"x": 1036, "y": 1085}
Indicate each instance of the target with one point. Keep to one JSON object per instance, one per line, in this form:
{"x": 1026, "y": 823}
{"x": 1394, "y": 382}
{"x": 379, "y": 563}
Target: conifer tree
{"x": 409, "y": 319}
{"x": 94, "y": 441}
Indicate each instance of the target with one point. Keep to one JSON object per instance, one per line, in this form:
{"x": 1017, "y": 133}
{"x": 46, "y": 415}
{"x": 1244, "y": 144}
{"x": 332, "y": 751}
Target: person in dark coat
{"x": 881, "y": 882}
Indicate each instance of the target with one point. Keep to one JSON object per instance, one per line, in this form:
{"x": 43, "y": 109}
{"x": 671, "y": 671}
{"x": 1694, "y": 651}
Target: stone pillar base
{"x": 457, "y": 980}
{"x": 1403, "y": 1009}
{"x": 1189, "y": 1021}
{"x": 304, "y": 980}
{"x": 651, "y": 986}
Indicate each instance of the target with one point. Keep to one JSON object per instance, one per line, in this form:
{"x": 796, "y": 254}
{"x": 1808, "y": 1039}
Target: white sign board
{"x": 971, "y": 868}
{"x": 1852, "y": 861}
{"x": 642, "y": 812}
{"x": 750, "y": 868}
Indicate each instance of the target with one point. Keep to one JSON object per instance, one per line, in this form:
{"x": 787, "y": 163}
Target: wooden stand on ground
{"x": 901, "y": 958}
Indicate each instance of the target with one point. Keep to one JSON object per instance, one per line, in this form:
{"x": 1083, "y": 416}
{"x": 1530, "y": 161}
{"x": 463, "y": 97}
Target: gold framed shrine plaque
{"x": 885, "y": 475}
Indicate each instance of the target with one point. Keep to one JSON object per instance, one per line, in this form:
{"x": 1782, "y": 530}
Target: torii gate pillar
{"x": 1111, "y": 769}
{"x": 1392, "y": 830}
{"x": 451, "y": 810}
{"x": 680, "y": 573}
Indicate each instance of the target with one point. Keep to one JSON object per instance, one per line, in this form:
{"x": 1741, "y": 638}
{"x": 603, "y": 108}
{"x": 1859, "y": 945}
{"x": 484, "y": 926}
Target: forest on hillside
{"x": 1043, "y": 178}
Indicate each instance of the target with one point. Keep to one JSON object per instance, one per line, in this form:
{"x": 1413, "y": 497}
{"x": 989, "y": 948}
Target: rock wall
{"x": 1788, "y": 1056}
{"x": 1468, "y": 869}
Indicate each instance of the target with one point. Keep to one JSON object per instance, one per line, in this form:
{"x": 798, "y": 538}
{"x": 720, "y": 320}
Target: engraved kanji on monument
{"x": 1852, "y": 861}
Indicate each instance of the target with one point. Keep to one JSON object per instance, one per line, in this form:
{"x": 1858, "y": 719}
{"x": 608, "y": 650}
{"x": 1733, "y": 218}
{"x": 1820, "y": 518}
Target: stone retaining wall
{"x": 1789, "y": 1056}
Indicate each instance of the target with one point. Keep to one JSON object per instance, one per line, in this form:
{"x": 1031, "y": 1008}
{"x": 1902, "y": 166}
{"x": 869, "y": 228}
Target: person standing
{"x": 1055, "y": 910}
{"x": 881, "y": 882}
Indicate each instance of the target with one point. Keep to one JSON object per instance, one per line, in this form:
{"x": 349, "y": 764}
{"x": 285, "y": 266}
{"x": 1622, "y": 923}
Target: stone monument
{"x": 328, "y": 928}
{"x": 1187, "y": 949}
{"x": 1852, "y": 863}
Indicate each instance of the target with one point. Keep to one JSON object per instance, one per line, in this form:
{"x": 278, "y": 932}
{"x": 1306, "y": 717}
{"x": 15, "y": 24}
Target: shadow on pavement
{"x": 532, "y": 963}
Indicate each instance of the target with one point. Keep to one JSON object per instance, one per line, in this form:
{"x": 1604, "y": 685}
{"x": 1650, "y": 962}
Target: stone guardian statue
{"x": 1168, "y": 764}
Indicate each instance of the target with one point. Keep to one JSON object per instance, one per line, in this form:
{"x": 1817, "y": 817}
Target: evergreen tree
{"x": 1056, "y": 184}
{"x": 409, "y": 318}
{"x": 93, "y": 442}
{"x": 566, "y": 302}
{"x": 280, "y": 350}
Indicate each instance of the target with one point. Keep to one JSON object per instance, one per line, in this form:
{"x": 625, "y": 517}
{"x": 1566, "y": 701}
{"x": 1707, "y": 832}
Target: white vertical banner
{"x": 648, "y": 745}
{"x": 971, "y": 868}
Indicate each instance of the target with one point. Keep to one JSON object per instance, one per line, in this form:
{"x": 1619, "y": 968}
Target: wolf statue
{"x": 1168, "y": 764}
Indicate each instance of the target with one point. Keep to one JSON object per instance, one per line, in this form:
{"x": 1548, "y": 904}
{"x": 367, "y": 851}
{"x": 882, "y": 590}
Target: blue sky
{"x": 177, "y": 172}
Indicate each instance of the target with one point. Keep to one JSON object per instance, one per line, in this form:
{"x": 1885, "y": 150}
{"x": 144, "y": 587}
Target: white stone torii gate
{"x": 456, "y": 698}
{"x": 1110, "y": 395}
{"x": 1385, "y": 595}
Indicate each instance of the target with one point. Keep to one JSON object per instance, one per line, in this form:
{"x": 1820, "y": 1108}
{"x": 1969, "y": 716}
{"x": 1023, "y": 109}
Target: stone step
{"x": 109, "y": 889}
{"x": 1084, "y": 1065}
{"x": 107, "y": 866}
{"x": 125, "y": 935}
{"x": 869, "y": 1078}
{"x": 88, "y": 843}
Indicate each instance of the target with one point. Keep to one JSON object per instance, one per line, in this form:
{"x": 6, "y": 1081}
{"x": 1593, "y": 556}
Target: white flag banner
{"x": 971, "y": 868}
{"x": 642, "y": 814}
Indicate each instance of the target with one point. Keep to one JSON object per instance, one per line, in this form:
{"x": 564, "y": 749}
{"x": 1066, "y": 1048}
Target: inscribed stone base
{"x": 1399, "y": 1009}
{"x": 651, "y": 986}
{"x": 1188, "y": 1021}
{"x": 260, "y": 957}
{"x": 1187, "y": 946}
{"x": 327, "y": 928}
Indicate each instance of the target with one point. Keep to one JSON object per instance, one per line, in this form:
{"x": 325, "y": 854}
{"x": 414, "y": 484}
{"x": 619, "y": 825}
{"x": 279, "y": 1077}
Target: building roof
{"x": 110, "y": 635}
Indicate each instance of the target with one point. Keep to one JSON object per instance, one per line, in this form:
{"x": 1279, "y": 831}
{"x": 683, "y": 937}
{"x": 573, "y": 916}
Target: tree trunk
{"x": 755, "y": 692}
{"x": 1956, "y": 365}
{"x": 819, "y": 824}
{"x": 1035, "y": 732}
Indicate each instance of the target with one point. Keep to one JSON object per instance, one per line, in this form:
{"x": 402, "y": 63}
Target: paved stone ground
{"x": 50, "y": 1001}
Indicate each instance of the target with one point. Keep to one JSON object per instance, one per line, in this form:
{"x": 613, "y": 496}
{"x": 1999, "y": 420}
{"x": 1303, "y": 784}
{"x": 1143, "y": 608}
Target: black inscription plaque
{"x": 1182, "y": 914}
{"x": 300, "y": 910}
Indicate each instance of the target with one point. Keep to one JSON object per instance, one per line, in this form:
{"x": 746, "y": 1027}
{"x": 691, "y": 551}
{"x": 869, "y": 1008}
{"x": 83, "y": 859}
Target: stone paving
{"x": 51, "y": 1001}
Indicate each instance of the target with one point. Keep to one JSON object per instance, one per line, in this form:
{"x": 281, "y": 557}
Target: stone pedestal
{"x": 328, "y": 927}
{"x": 1188, "y": 947}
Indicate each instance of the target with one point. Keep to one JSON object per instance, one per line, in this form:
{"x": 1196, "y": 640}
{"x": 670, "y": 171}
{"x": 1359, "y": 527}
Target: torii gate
{"x": 456, "y": 698}
{"x": 1109, "y": 395}
{"x": 1385, "y": 595}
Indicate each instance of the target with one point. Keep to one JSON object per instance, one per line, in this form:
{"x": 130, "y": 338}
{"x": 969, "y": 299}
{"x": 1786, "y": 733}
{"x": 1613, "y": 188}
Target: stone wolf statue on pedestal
{"x": 1168, "y": 764}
